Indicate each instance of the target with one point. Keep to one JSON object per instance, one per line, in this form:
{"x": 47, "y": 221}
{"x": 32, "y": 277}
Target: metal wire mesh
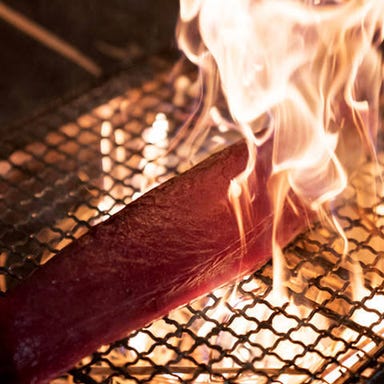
{"x": 73, "y": 167}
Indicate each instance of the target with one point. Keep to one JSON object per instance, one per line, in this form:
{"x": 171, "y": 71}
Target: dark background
{"x": 114, "y": 33}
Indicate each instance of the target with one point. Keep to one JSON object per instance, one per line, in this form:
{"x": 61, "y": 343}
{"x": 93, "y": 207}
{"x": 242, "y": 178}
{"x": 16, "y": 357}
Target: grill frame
{"x": 36, "y": 146}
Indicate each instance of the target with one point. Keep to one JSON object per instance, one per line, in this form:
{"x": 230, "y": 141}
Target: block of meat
{"x": 173, "y": 244}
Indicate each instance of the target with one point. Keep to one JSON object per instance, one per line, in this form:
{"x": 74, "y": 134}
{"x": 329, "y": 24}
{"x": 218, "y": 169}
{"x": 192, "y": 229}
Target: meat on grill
{"x": 173, "y": 244}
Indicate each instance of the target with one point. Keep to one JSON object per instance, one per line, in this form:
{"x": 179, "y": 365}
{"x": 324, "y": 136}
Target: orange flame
{"x": 306, "y": 74}
{"x": 313, "y": 67}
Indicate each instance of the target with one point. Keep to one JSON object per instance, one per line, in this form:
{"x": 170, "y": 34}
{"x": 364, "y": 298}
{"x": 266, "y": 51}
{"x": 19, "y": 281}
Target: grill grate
{"x": 69, "y": 169}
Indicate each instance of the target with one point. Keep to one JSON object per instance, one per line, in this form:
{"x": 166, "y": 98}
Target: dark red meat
{"x": 175, "y": 243}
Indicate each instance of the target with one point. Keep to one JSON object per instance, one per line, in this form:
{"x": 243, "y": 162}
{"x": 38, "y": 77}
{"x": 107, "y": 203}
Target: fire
{"x": 313, "y": 68}
{"x": 307, "y": 75}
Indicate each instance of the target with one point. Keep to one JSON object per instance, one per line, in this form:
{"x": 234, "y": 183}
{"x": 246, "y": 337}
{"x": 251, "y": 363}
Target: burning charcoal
{"x": 173, "y": 244}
